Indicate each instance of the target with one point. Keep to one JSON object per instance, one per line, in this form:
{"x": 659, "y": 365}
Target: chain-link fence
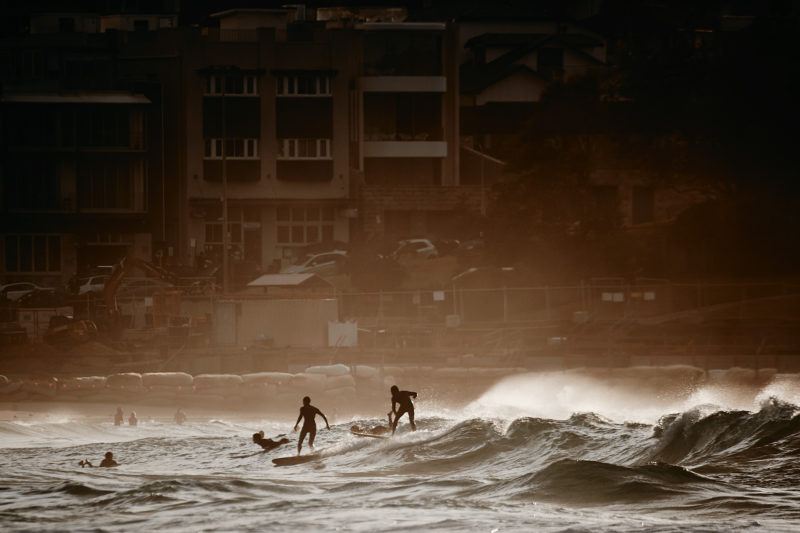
{"x": 603, "y": 299}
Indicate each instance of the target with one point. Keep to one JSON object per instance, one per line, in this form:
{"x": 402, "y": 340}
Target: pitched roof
{"x": 520, "y": 39}
{"x": 475, "y": 78}
{"x": 285, "y": 280}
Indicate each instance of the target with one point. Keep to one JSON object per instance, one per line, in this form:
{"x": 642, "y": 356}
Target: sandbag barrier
{"x": 339, "y": 380}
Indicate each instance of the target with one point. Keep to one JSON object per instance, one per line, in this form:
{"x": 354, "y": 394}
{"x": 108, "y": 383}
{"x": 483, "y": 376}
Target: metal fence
{"x": 602, "y": 299}
{"x": 598, "y": 299}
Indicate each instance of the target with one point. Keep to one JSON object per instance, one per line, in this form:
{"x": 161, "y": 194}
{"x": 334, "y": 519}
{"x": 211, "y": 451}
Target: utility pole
{"x": 225, "y": 235}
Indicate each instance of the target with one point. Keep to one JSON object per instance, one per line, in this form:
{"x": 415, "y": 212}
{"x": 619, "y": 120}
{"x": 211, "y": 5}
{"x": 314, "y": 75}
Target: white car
{"x": 410, "y": 248}
{"x": 324, "y": 264}
{"x": 92, "y": 284}
{"x": 14, "y": 291}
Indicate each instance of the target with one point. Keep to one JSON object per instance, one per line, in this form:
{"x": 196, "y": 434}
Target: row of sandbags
{"x": 336, "y": 379}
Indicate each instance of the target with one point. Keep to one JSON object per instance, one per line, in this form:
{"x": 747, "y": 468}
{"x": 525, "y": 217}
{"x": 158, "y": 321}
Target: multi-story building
{"x": 316, "y": 131}
{"x": 81, "y": 165}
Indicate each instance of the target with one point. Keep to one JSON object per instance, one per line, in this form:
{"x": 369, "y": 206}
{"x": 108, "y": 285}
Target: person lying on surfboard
{"x": 308, "y": 414}
{"x": 377, "y": 430}
{"x": 267, "y": 444}
{"x": 403, "y": 399}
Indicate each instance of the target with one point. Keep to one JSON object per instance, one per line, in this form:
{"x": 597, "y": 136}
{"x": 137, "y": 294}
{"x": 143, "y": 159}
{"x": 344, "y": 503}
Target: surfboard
{"x": 374, "y": 436}
{"x": 294, "y": 460}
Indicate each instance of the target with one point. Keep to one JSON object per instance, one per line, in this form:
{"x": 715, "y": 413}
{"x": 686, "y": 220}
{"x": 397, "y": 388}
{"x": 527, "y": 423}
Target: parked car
{"x": 324, "y": 264}
{"x": 92, "y": 284}
{"x": 411, "y": 248}
{"x": 43, "y": 297}
{"x": 14, "y": 291}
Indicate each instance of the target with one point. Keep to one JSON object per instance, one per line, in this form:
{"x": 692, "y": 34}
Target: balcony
{"x": 386, "y": 148}
{"x": 403, "y": 84}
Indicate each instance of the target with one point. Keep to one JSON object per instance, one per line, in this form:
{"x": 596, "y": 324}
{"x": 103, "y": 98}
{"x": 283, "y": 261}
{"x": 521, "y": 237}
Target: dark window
{"x": 403, "y": 117}
{"x": 33, "y": 253}
{"x": 66, "y": 25}
{"x": 403, "y": 53}
{"x": 140, "y": 25}
{"x": 12, "y": 253}
{"x": 301, "y": 225}
{"x": 33, "y": 183}
{"x": 643, "y": 205}
{"x": 112, "y": 184}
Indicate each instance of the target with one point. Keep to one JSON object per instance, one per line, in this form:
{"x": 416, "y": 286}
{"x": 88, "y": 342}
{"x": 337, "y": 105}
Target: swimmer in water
{"x": 132, "y": 421}
{"x": 180, "y": 416}
{"x": 107, "y": 462}
{"x": 118, "y": 417}
{"x": 308, "y": 414}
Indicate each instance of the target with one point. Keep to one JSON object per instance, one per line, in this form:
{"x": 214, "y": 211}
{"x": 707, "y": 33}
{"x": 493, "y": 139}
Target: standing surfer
{"x": 118, "y": 417}
{"x": 403, "y": 399}
{"x": 308, "y": 414}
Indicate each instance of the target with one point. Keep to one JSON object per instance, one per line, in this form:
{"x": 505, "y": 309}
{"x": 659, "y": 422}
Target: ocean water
{"x": 539, "y": 452}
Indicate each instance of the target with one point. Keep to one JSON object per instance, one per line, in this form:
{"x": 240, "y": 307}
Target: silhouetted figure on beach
{"x": 308, "y": 414}
{"x": 402, "y": 398}
{"x": 180, "y": 416}
{"x": 132, "y": 421}
{"x": 108, "y": 461}
{"x": 118, "y": 417}
{"x": 267, "y": 444}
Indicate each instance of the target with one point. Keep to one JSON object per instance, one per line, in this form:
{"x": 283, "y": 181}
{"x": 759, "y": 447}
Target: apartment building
{"x": 305, "y": 132}
{"x": 81, "y": 165}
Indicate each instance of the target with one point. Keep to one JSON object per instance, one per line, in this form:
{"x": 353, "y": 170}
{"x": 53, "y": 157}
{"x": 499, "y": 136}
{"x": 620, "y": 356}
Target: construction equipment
{"x": 122, "y": 269}
{"x": 65, "y": 331}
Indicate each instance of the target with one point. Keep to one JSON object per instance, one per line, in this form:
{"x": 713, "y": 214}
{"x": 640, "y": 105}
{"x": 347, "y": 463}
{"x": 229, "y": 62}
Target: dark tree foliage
{"x": 691, "y": 104}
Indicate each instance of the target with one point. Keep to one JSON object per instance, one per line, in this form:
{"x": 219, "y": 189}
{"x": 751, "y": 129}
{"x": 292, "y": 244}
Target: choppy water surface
{"x": 510, "y": 461}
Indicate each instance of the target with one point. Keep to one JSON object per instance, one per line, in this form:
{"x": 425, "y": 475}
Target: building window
{"x": 140, "y": 25}
{"x": 109, "y": 184}
{"x": 214, "y": 238}
{"x": 66, "y": 25}
{"x": 643, "y": 205}
{"x": 234, "y": 149}
{"x": 33, "y": 253}
{"x": 231, "y": 85}
{"x": 304, "y": 85}
{"x": 304, "y": 225}
{"x": 103, "y": 127}
{"x": 33, "y": 183}
{"x": 304, "y": 148}
{"x": 244, "y": 228}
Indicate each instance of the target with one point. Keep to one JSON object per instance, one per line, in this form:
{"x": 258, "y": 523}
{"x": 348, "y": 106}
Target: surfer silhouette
{"x": 308, "y": 414}
{"x": 267, "y": 444}
{"x": 180, "y": 416}
{"x": 108, "y": 461}
{"x": 132, "y": 421}
{"x": 402, "y": 398}
{"x": 118, "y": 417}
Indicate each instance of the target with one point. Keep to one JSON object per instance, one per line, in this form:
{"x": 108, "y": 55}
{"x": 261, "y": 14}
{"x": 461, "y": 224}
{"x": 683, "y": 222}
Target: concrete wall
{"x": 300, "y": 323}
